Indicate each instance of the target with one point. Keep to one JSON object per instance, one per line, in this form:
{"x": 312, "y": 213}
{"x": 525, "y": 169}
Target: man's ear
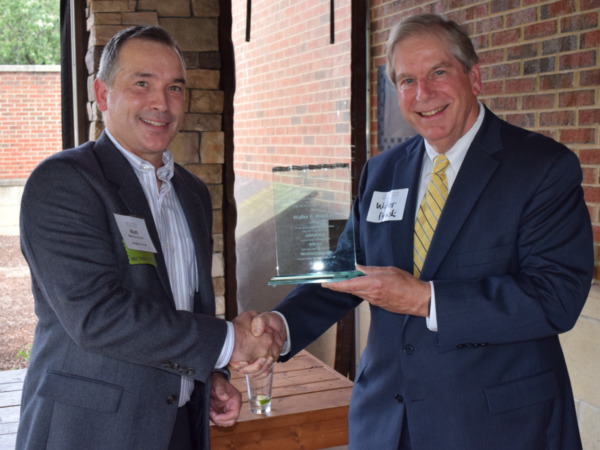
{"x": 101, "y": 93}
{"x": 475, "y": 77}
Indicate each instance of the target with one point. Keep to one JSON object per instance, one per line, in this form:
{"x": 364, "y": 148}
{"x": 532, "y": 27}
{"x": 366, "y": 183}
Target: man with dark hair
{"x": 469, "y": 288}
{"x": 128, "y": 352}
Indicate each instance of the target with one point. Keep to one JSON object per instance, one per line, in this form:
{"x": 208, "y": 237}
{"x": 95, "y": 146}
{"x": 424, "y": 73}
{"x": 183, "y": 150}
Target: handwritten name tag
{"x": 386, "y": 206}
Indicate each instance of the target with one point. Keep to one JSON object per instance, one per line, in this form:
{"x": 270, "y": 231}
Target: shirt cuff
{"x": 224, "y": 372}
{"x": 227, "y": 349}
{"x": 287, "y": 346}
{"x": 432, "y": 319}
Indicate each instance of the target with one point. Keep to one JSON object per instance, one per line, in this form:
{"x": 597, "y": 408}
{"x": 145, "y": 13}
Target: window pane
{"x": 292, "y": 107}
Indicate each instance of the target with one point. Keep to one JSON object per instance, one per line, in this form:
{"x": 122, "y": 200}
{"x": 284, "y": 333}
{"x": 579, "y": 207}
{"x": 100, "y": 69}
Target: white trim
{"x": 30, "y": 68}
{"x": 13, "y": 182}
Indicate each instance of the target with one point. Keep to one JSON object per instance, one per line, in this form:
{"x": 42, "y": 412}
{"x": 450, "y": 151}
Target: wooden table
{"x": 309, "y": 410}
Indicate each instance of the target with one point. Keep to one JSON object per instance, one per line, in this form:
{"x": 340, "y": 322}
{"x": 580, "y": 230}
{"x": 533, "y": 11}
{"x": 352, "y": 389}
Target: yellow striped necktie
{"x": 430, "y": 212}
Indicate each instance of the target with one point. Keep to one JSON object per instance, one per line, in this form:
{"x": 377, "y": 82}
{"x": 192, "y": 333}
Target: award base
{"x": 315, "y": 278}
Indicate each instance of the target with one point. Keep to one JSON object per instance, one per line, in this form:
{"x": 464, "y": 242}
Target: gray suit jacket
{"x": 109, "y": 345}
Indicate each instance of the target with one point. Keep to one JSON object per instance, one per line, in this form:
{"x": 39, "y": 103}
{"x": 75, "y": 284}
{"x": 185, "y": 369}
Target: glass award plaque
{"x": 314, "y": 231}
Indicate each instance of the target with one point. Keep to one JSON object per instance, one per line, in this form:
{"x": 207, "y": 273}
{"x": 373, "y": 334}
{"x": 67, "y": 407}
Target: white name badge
{"x": 135, "y": 233}
{"x": 387, "y": 206}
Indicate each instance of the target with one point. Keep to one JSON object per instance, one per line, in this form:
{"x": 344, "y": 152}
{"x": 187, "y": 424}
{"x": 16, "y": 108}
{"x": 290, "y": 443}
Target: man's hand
{"x": 225, "y": 401}
{"x": 269, "y": 322}
{"x": 390, "y": 288}
{"x": 254, "y": 352}
{"x": 261, "y": 323}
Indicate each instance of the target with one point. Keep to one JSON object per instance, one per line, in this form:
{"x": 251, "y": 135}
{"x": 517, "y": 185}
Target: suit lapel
{"x": 118, "y": 170}
{"x": 407, "y": 173}
{"x": 197, "y": 223}
{"x": 475, "y": 172}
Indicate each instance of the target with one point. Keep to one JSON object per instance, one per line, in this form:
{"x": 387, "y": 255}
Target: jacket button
{"x": 191, "y": 372}
{"x": 182, "y": 369}
{"x": 171, "y": 399}
{"x": 167, "y": 365}
{"x": 460, "y": 346}
{"x": 399, "y": 398}
{"x": 175, "y": 366}
{"x": 409, "y": 349}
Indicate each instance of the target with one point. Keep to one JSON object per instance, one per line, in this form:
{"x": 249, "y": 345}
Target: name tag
{"x": 138, "y": 257}
{"x": 135, "y": 233}
{"x": 387, "y": 206}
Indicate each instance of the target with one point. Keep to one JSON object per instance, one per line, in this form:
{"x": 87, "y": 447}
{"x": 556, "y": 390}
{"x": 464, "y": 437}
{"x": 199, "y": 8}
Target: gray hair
{"x": 453, "y": 35}
{"x": 109, "y": 62}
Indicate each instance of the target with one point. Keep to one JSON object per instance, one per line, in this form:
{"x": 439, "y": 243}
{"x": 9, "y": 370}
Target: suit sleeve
{"x": 545, "y": 298}
{"x": 69, "y": 242}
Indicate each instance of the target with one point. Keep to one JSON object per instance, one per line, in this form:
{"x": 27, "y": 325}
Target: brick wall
{"x": 30, "y": 128}
{"x": 292, "y": 104}
{"x": 541, "y": 71}
{"x": 199, "y": 147}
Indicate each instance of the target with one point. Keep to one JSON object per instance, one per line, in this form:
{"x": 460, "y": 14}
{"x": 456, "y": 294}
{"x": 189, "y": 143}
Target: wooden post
{"x": 79, "y": 38}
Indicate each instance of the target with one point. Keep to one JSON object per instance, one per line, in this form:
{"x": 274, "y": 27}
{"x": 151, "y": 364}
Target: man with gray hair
{"x": 487, "y": 260}
{"x": 128, "y": 353}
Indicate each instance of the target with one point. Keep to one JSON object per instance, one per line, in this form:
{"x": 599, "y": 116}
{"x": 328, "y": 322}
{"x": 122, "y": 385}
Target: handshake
{"x": 259, "y": 339}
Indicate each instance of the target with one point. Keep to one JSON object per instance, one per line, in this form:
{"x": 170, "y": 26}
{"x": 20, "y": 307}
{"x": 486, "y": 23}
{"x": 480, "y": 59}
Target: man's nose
{"x": 424, "y": 90}
{"x": 159, "y": 100}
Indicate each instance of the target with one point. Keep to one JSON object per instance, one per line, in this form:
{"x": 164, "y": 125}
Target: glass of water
{"x": 259, "y": 393}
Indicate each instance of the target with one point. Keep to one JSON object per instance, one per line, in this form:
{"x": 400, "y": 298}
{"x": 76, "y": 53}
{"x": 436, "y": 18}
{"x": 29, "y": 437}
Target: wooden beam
{"x": 12, "y": 398}
{"x": 12, "y": 376}
{"x": 79, "y": 40}
{"x": 227, "y": 85}
{"x": 10, "y": 414}
{"x": 8, "y": 441}
{"x": 9, "y": 428}
{"x": 345, "y": 355}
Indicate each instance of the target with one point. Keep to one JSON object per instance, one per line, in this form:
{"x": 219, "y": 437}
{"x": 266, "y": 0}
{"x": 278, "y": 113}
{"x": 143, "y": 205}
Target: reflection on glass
{"x": 291, "y": 107}
{"x": 313, "y": 227}
{"x": 392, "y": 127}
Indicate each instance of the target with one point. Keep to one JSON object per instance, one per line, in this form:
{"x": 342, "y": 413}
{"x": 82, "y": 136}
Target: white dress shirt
{"x": 176, "y": 243}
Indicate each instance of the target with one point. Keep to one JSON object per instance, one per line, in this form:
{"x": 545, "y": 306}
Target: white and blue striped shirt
{"x": 176, "y": 243}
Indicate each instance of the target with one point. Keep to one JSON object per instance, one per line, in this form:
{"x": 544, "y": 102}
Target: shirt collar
{"x": 164, "y": 173}
{"x": 457, "y": 153}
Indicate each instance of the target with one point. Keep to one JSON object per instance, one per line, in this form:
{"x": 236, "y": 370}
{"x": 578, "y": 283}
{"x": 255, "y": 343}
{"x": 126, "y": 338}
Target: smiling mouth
{"x": 156, "y": 124}
{"x": 432, "y": 112}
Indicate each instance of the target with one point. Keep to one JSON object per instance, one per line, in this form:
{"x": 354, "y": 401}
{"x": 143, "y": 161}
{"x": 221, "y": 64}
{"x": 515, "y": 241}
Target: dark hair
{"x": 453, "y": 35}
{"x": 110, "y": 55}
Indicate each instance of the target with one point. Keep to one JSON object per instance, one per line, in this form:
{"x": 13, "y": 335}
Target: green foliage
{"x": 24, "y": 353}
{"x": 29, "y": 31}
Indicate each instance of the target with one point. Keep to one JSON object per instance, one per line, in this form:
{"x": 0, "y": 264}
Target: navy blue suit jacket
{"x": 511, "y": 261}
{"x": 109, "y": 344}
